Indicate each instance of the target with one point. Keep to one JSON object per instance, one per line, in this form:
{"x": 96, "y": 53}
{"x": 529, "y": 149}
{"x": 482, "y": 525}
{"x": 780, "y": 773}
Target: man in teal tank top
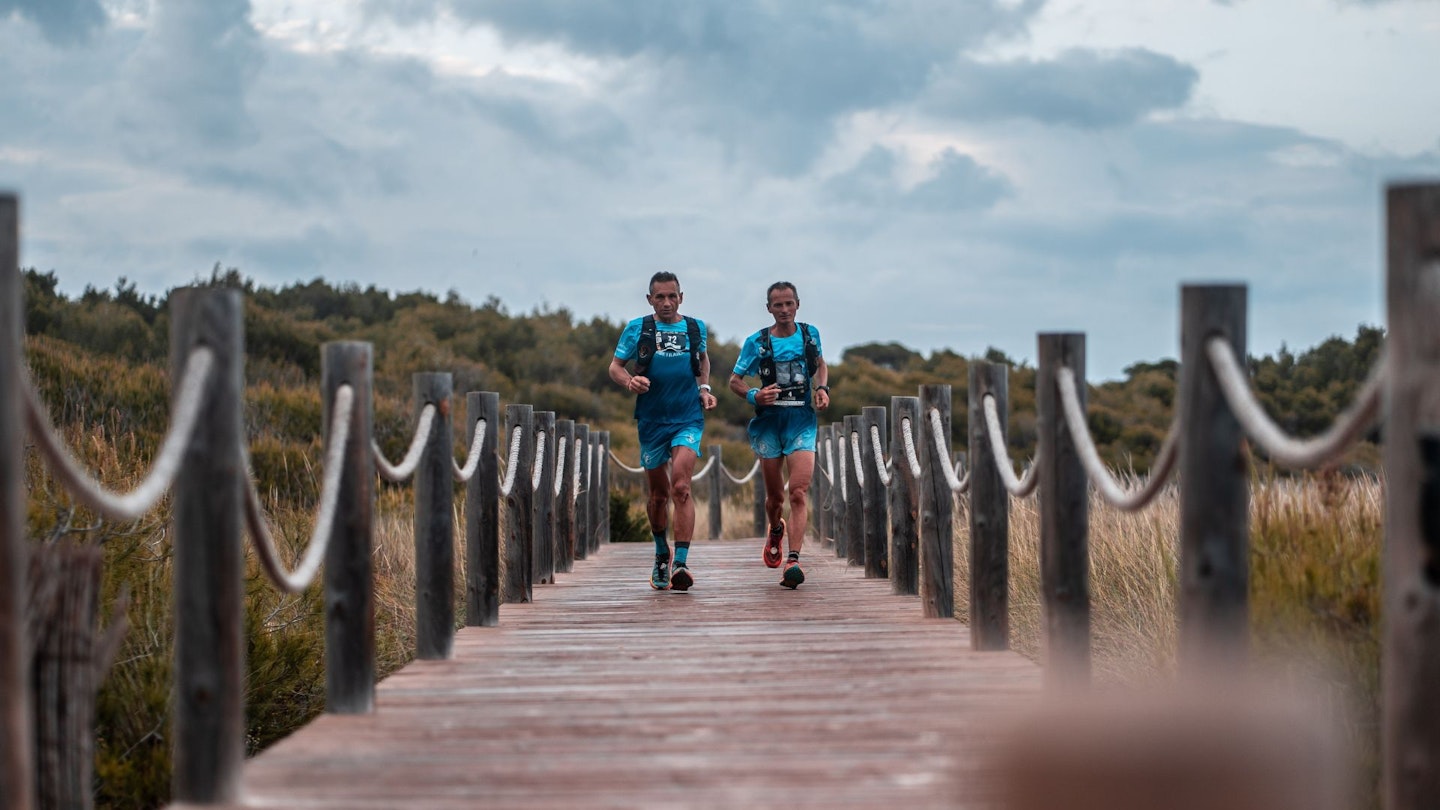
{"x": 793, "y": 385}
{"x": 671, "y": 381}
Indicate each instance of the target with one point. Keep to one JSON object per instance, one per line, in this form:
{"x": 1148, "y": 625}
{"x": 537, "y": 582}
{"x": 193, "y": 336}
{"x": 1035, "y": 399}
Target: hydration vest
{"x": 767, "y": 355}
{"x": 645, "y": 346}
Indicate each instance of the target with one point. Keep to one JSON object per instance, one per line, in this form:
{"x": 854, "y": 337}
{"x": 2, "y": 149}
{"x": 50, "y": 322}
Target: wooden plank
{"x": 604, "y": 693}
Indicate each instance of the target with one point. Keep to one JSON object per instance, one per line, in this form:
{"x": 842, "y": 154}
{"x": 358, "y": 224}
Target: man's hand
{"x": 638, "y": 384}
{"x": 768, "y": 394}
{"x": 822, "y": 400}
{"x": 707, "y": 400}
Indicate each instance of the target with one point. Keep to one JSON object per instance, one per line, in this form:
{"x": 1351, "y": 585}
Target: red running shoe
{"x": 772, "y": 555}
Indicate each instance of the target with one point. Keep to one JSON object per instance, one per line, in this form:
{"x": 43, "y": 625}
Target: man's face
{"x": 665, "y": 297}
{"x": 783, "y": 305}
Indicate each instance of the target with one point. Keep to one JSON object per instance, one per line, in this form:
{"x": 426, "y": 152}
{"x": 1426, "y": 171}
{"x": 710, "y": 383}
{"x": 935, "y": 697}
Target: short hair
{"x": 662, "y": 277}
{"x": 781, "y": 285}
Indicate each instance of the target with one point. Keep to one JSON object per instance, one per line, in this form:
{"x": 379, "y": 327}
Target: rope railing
{"x": 1019, "y": 487}
{"x": 298, "y": 579}
{"x": 472, "y": 459}
{"x": 560, "y": 448}
{"x": 1109, "y": 488}
{"x": 710, "y": 462}
{"x": 507, "y": 484}
{"x": 881, "y": 464}
{"x": 754, "y": 468}
{"x": 855, "y": 458}
{"x": 942, "y": 455}
{"x": 406, "y": 468}
{"x": 1280, "y": 447}
{"x": 626, "y": 467}
{"x": 912, "y": 457}
{"x": 842, "y": 452}
{"x": 162, "y": 473}
{"x": 537, "y": 470}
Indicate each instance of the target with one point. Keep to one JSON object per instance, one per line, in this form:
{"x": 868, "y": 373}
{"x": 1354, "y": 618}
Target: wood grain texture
{"x": 739, "y": 693}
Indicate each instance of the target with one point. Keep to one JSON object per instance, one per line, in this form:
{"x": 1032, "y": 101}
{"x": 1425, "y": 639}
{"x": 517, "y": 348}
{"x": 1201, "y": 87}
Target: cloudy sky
{"x": 942, "y": 173}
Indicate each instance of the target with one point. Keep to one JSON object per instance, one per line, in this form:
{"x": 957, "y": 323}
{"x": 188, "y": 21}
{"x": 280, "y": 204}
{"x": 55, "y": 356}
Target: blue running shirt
{"x": 674, "y": 396}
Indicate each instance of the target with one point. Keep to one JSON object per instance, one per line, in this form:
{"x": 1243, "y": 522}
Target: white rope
{"x": 1019, "y": 487}
{"x": 295, "y": 581}
{"x": 855, "y": 457}
{"x": 703, "y": 470}
{"x": 1280, "y": 447}
{"x": 575, "y": 466}
{"x": 623, "y": 465}
{"x": 754, "y": 468}
{"x": 473, "y": 460}
{"x": 827, "y": 463}
{"x": 880, "y": 463}
{"x": 844, "y": 477}
{"x": 911, "y": 456}
{"x": 167, "y": 462}
{"x": 399, "y": 472}
{"x": 942, "y": 455}
{"x": 507, "y": 484}
{"x": 1105, "y": 483}
{"x": 537, "y": 468}
{"x": 560, "y": 448}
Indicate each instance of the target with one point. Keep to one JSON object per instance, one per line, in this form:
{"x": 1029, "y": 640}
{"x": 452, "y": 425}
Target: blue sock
{"x": 662, "y": 548}
{"x": 682, "y": 550}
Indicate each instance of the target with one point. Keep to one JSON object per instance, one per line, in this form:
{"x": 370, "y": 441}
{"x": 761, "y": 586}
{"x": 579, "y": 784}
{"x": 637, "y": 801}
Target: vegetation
{"x": 100, "y": 363}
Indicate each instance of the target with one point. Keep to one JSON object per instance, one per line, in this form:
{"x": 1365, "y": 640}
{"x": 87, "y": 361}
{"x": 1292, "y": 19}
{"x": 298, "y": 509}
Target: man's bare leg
{"x": 801, "y": 464}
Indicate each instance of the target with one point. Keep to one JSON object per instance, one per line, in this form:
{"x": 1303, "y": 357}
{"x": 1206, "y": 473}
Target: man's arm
{"x": 822, "y": 385}
{"x": 622, "y": 377}
{"x": 707, "y": 398}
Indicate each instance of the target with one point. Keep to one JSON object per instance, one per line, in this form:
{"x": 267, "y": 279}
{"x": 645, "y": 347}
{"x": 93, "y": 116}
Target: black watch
{"x": 824, "y": 388}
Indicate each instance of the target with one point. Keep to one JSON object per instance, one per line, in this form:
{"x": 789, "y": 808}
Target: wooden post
{"x": 482, "y": 513}
{"x": 583, "y": 518}
{"x": 820, "y": 504}
{"x": 542, "y": 546}
{"x": 435, "y": 523}
{"x": 602, "y": 495}
{"x": 989, "y": 513}
{"x": 1411, "y": 667}
{"x": 855, "y": 504}
{"x": 209, "y": 566}
{"x": 904, "y": 497}
{"x": 1064, "y": 517}
{"x": 937, "y": 506}
{"x": 517, "y": 586}
{"x": 1215, "y": 497}
{"x": 758, "y": 485}
{"x": 877, "y": 529}
{"x": 717, "y": 491}
{"x": 839, "y": 506}
{"x": 17, "y": 759}
{"x": 565, "y": 501}
{"x": 349, "y": 577}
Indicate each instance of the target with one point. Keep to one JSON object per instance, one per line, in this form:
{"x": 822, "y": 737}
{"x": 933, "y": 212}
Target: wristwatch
{"x": 705, "y": 387}
{"x": 824, "y": 388}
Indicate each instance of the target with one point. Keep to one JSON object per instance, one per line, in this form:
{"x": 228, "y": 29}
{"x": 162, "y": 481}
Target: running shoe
{"x": 793, "y": 576}
{"x": 660, "y": 574}
{"x": 772, "y": 555}
{"x": 681, "y": 580}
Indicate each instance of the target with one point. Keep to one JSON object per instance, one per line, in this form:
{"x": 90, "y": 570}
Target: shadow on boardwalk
{"x": 604, "y": 693}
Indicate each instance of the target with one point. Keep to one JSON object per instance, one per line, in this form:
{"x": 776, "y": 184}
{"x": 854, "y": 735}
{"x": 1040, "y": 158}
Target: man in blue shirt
{"x": 671, "y": 381}
{"x": 793, "y": 385}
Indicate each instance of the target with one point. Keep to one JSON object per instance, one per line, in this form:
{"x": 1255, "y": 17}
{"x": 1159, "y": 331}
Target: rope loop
{"x": 396, "y": 473}
{"x": 880, "y": 463}
{"x": 198, "y": 367}
{"x": 560, "y": 448}
{"x": 464, "y": 474}
{"x": 507, "y": 484}
{"x": 622, "y": 465}
{"x": 1019, "y": 487}
{"x": 912, "y": 457}
{"x": 1282, "y": 448}
{"x": 1105, "y": 483}
{"x": 704, "y": 470}
{"x": 537, "y": 467}
{"x": 296, "y": 581}
{"x": 754, "y": 468}
{"x": 942, "y": 453}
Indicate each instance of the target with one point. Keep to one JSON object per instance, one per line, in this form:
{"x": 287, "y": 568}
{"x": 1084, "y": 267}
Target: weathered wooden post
{"x": 717, "y": 491}
{"x": 820, "y": 504}
{"x": 1064, "y": 517}
{"x": 838, "y": 506}
{"x": 937, "y": 506}
{"x": 17, "y": 759}
{"x": 435, "y": 522}
{"x": 482, "y": 512}
{"x": 518, "y": 500}
{"x": 855, "y": 494}
{"x": 877, "y": 529}
{"x": 1411, "y": 667}
{"x": 1215, "y": 497}
{"x": 989, "y": 513}
{"x": 602, "y": 496}
{"x": 542, "y": 545}
{"x": 349, "y": 577}
{"x": 904, "y": 498}
{"x": 209, "y": 565}
{"x": 758, "y": 485}
{"x": 565, "y": 497}
{"x": 583, "y": 512}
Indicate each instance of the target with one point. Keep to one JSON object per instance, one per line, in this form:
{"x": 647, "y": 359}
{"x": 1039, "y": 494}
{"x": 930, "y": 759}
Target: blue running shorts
{"x": 656, "y": 440}
{"x": 776, "y": 432}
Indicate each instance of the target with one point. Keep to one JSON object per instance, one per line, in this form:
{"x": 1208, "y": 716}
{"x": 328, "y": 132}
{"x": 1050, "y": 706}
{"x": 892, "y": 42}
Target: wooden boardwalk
{"x": 606, "y": 694}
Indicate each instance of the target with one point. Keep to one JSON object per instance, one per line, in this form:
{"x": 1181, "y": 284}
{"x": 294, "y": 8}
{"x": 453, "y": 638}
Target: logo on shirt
{"x": 669, "y": 343}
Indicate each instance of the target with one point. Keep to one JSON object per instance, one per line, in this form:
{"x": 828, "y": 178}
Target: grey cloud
{"x": 1082, "y": 88}
{"x": 62, "y": 22}
{"x": 957, "y": 182}
{"x": 551, "y": 120}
